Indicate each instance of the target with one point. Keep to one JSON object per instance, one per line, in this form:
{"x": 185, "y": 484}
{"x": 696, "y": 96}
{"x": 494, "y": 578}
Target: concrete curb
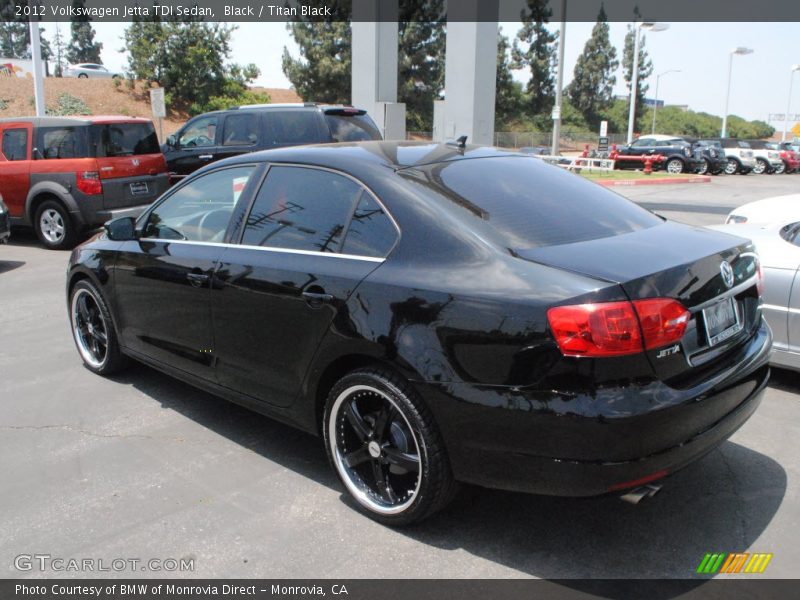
{"x": 655, "y": 181}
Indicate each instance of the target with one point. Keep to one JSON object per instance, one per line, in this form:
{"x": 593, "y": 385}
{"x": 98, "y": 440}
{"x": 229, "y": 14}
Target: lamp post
{"x": 649, "y": 26}
{"x": 559, "y": 81}
{"x": 789, "y": 102}
{"x": 655, "y": 104}
{"x": 740, "y": 50}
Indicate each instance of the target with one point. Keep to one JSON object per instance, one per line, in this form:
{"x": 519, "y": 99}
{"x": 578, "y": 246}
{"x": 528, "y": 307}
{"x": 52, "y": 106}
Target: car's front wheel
{"x": 760, "y": 167}
{"x": 732, "y": 167}
{"x": 53, "y": 226}
{"x": 703, "y": 168}
{"x": 385, "y": 447}
{"x": 781, "y": 169}
{"x": 83, "y": 76}
{"x": 93, "y": 330}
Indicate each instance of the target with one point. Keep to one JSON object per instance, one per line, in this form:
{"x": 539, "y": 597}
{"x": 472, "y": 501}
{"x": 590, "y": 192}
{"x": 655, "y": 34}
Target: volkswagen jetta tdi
{"x": 437, "y": 314}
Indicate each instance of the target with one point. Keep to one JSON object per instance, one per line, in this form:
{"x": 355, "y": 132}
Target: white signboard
{"x": 157, "y": 103}
{"x": 603, "y": 128}
{"x": 14, "y": 67}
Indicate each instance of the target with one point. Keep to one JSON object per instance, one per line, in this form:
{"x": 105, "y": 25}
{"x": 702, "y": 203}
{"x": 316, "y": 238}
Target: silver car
{"x": 85, "y": 70}
{"x": 778, "y": 246}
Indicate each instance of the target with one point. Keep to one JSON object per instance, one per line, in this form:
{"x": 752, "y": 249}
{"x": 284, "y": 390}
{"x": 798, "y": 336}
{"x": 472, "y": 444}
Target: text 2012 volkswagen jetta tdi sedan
{"x": 438, "y": 314}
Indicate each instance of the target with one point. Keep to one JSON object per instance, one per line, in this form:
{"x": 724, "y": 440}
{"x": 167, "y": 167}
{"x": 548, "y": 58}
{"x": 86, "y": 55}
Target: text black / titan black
{"x": 438, "y": 314}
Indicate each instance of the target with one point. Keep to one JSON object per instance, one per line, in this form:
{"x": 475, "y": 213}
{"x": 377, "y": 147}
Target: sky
{"x": 759, "y": 83}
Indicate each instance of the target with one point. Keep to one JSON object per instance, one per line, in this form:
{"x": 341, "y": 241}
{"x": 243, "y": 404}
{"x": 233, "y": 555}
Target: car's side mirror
{"x": 122, "y": 229}
{"x": 172, "y": 141}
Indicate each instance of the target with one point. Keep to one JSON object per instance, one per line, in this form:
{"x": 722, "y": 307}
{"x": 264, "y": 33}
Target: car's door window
{"x": 199, "y": 133}
{"x": 301, "y": 209}
{"x": 15, "y": 144}
{"x": 200, "y": 210}
{"x": 642, "y": 142}
{"x": 371, "y": 231}
{"x": 240, "y": 130}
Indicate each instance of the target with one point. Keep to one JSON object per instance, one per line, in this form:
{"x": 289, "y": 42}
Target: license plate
{"x": 139, "y": 188}
{"x": 722, "y": 321}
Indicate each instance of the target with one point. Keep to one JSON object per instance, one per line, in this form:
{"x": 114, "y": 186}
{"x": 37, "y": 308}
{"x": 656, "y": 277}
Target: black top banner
{"x": 400, "y": 10}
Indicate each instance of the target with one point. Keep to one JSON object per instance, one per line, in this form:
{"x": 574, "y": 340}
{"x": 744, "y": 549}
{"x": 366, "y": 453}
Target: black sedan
{"x": 5, "y": 223}
{"x": 437, "y": 313}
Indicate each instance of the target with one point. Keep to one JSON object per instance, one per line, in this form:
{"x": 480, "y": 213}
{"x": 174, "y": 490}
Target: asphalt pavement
{"x": 141, "y": 466}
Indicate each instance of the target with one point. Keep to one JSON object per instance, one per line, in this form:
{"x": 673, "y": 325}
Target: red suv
{"x": 63, "y": 175}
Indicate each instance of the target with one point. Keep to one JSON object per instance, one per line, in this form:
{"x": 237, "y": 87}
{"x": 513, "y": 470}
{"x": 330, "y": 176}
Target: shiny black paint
{"x": 459, "y": 316}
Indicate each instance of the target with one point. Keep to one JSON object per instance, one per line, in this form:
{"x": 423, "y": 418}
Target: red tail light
{"x": 89, "y": 182}
{"x": 617, "y": 328}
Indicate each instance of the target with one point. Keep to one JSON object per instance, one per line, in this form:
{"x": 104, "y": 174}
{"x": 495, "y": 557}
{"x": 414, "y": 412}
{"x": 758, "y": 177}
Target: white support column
{"x": 374, "y": 66}
{"x": 38, "y": 72}
{"x": 470, "y": 76}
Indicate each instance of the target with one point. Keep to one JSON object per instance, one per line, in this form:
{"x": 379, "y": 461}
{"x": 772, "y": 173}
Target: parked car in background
{"x": 712, "y": 153}
{"x": 778, "y": 247}
{"x": 677, "y": 153}
{"x": 438, "y": 313}
{"x": 769, "y": 210}
{"x": 740, "y": 156}
{"x": 5, "y": 223}
{"x": 86, "y": 70}
{"x": 221, "y": 134}
{"x": 790, "y": 156}
{"x": 64, "y": 175}
{"x": 768, "y": 160}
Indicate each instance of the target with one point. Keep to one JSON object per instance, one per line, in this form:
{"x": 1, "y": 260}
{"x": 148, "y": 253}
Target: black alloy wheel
{"x": 93, "y": 330}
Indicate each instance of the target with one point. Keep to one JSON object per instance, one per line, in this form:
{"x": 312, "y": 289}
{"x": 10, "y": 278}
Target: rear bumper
{"x": 591, "y": 447}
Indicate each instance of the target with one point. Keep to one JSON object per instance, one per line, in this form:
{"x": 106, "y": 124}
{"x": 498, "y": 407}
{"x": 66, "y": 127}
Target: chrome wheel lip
{"x": 357, "y": 491}
{"x": 51, "y": 224}
{"x": 87, "y": 354}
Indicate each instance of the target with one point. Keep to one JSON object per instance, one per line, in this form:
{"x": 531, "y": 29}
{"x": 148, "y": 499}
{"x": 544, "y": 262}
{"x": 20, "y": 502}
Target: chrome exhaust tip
{"x": 638, "y": 494}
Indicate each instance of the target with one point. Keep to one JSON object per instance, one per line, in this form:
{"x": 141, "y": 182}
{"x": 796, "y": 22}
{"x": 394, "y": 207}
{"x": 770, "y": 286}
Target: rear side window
{"x": 63, "y": 142}
{"x": 353, "y": 128}
{"x": 240, "y": 130}
{"x": 371, "y": 231}
{"x": 15, "y": 144}
{"x": 289, "y": 127}
{"x": 301, "y": 209}
{"x": 123, "y": 139}
{"x": 531, "y": 204}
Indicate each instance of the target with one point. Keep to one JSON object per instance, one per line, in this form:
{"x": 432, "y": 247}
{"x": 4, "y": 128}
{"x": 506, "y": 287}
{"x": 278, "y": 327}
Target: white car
{"x": 740, "y": 156}
{"x": 776, "y": 209}
{"x": 84, "y": 70}
{"x": 767, "y": 159}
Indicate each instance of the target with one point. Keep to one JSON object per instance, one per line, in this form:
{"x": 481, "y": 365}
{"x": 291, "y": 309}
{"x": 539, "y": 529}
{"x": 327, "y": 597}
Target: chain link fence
{"x": 571, "y": 141}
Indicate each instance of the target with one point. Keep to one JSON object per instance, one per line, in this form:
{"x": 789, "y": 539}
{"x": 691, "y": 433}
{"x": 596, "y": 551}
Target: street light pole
{"x": 559, "y": 81}
{"x": 789, "y": 101}
{"x": 635, "y": 74}
{"x": 739, "y": 50}
{"x": 655, "y": 102}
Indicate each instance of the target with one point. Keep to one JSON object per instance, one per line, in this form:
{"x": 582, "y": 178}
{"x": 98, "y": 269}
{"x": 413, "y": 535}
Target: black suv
{"x": 678, "y": 154}
{"x": 712, "y": 153}
{"x": 221, "y": 134}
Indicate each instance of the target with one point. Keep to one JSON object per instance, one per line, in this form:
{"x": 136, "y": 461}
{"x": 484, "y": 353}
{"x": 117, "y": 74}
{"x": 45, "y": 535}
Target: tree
{"x": 645, "y": 70}
{"x": 82, "y": 47}
{"x": 592, "y": 86}
{"x": 508, "y": 103}
{"x": 420, "y": 61}
{"x": 187, "y": 58}
{"x": 60, "y": 52}
{"x": 534, "y": 49}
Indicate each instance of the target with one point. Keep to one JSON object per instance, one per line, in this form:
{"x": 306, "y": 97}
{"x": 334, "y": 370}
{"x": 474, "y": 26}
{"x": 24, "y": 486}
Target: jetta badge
{"x": 727, "y": 273}
{"x": 135, "y": 162}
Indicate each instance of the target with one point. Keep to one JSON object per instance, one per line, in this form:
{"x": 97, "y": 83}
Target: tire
{"x": 674, "y": 166}
{"x": 83, "y": 76}
{"x": 53, "y": 226}
{"x": 385, "y": 462}
{"x": 781, "y": 169}
{"x": 733, "y": 166}
{"x": 761, "y": 166}
{"x": 93, "y": 330}
{"x": 703, "y": 169}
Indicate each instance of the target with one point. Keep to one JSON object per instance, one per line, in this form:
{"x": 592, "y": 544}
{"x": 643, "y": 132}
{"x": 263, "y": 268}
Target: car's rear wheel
{"x": 385, "y": 447}
{"x": 93, "y": 330}
{"x": 674, "y": 166}
{"x": 703, "y": 169}
{"x": 760, "y": 167}
{"x": 733, "y": 166}
{"x": 781, "y": 169}
{"x": 53, "y": 226}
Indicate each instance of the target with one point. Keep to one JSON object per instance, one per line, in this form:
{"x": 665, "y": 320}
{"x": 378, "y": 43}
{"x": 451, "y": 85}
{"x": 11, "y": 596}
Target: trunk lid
{"x": 674, "y": 261}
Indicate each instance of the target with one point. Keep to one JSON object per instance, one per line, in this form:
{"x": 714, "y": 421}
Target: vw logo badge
{"x": 727, "y": 273}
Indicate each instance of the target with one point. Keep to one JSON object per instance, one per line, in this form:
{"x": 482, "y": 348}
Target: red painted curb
{"x": 656, "y": 181}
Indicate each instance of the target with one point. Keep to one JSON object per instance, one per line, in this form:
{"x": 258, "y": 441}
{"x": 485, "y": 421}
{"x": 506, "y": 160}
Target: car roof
{"x": 659, "y": 137}
{"x": 74, "y": 120}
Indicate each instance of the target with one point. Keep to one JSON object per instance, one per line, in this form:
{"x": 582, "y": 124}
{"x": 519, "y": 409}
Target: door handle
{"x": 206, "y": 156}
{"x": 315, "y": 299}
{"x": 197, "y": 279}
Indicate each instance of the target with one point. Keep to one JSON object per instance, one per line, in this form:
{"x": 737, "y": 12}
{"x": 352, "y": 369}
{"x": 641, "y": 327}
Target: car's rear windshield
{"x": 123, "y": 139}
{"x": 532, "y": 204}
{"x": 352, "y": 128}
